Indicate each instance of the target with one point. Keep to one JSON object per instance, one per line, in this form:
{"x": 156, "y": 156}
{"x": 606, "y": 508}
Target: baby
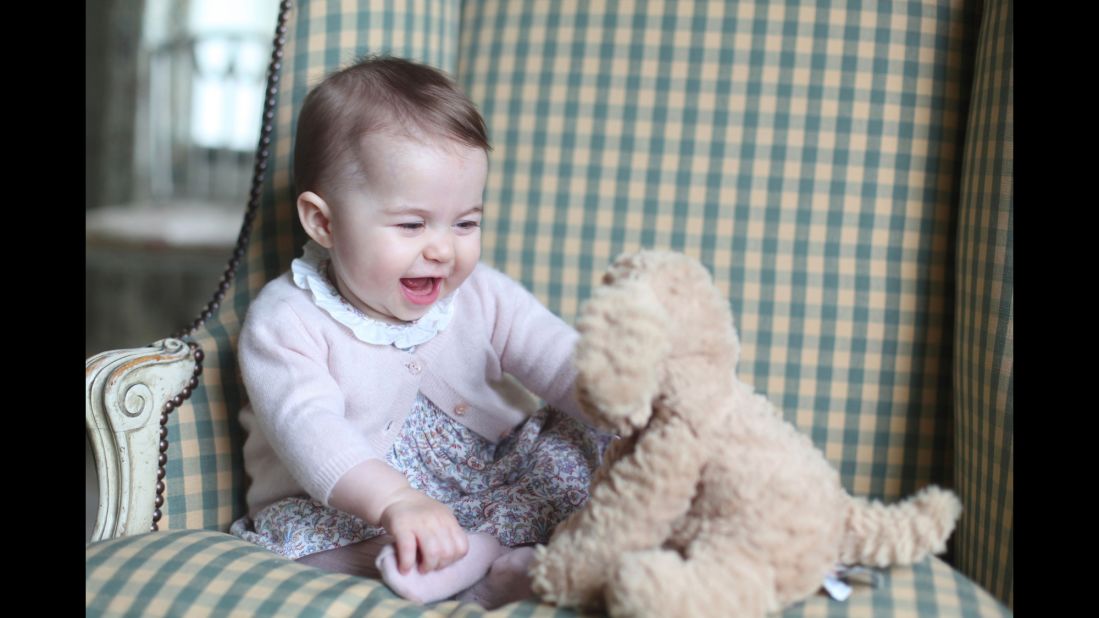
{"x": 379, "y": 441}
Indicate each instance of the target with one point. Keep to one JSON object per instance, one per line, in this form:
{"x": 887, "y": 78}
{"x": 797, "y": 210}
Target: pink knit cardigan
{"x": 323, "y": 401}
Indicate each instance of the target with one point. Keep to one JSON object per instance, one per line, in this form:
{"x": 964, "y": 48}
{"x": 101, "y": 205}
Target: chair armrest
{"x": 126, "y": 391}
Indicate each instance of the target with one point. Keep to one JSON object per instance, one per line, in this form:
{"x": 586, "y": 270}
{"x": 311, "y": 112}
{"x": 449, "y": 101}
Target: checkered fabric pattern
{"x": 203, "y": 573}
{"x": 809, "y": 154}
{"x": 984, "y": 338}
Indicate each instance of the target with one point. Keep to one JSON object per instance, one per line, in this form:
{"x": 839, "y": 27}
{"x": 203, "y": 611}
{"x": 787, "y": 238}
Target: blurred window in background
{"x": 203, "y": 79}
{"x": 159, "y": 231}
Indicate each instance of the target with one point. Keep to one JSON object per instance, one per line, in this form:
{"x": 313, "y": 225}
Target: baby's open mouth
{"x": 421, "y": 290}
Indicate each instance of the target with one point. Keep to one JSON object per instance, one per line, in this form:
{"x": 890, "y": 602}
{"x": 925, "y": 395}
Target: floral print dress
{"x": 516, "y": 490}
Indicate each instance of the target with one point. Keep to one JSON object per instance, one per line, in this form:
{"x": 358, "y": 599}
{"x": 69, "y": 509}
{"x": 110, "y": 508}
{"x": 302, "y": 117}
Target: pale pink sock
{"x": 441, "y": 583}
{"x": 508, "y": 580}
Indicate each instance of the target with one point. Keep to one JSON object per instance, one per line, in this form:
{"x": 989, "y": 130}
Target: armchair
{"x": 844, "y": 171}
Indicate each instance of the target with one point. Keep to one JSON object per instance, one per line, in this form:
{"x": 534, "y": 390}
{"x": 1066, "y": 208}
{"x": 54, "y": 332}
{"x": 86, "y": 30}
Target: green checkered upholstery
{"x": 204, "y": 573}
{"x": 817, "y": 157}
{"x": 985, "y": 310}
{"x": 805, "y": 155}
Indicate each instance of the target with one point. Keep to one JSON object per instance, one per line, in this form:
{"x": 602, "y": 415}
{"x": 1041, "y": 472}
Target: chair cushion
{"x": 199, "y": 572}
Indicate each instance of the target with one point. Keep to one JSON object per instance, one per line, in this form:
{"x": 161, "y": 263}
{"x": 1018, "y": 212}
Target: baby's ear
{"x": 620, "y": 354}
{"x": 316, "y": 218}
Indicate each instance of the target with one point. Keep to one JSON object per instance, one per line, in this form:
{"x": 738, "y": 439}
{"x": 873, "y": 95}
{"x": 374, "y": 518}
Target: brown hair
{"x": 377, "y": 93}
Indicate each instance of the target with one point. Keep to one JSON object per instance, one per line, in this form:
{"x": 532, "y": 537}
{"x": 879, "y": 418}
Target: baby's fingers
{"x": 453, "y": 546}
{"x": 429, "y": 553}
{"x": 460, "y": 543}
{"x": 437, "y": 549}
{"x": 406, "y": 550}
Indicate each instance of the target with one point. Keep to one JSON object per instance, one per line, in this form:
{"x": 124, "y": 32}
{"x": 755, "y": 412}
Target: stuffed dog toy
{"x": 709, "y": 503}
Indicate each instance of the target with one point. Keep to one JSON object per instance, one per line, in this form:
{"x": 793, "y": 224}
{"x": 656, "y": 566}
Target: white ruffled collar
{"x": 309, "y": 273}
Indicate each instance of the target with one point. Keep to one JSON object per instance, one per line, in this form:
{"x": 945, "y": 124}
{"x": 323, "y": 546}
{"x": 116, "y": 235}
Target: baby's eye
{"x": 410, "y": 226}
{"x": 469, "y": 225}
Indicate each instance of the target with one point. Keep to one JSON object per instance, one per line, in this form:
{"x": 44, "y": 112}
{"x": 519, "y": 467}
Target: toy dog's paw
{"x": 563, "y": 577}
{"x": 644, "y": 584}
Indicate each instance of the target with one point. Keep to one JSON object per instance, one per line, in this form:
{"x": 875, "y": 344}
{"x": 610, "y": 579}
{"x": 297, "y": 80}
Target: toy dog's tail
{"x": 902, "y": 533}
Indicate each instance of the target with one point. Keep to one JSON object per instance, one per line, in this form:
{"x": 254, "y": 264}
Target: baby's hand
{"x": 419, "y": 522}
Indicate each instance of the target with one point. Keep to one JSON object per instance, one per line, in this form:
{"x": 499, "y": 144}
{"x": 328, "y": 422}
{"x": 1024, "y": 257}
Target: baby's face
{"x": 411, "y": 233}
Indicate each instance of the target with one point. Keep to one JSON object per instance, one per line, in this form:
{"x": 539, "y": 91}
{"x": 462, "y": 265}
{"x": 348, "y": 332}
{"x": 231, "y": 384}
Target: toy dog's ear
{"x": 620, "y": 355}
{"x": 686, "y": 291}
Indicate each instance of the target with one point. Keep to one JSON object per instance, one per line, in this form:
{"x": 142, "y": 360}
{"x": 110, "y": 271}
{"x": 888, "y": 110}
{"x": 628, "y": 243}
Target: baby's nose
{"x": 440, "y": 248}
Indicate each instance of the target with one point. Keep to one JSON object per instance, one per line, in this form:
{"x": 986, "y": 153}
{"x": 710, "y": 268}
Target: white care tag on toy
{"x": 837, "y": 584}
{"x": 861, "y": 574}
{"x": 836, "y": 588}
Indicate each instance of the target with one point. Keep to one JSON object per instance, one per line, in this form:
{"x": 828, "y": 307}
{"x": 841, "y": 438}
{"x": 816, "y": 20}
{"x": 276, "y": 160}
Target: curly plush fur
{"x": 710, "y": 503}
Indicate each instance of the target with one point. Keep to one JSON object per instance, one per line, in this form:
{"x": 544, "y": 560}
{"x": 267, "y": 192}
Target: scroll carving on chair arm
{"x": 126, "y": 393}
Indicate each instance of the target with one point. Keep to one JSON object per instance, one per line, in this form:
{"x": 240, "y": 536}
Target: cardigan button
{"x": 414, "y": 368}
{"x": 461, "y": 409}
